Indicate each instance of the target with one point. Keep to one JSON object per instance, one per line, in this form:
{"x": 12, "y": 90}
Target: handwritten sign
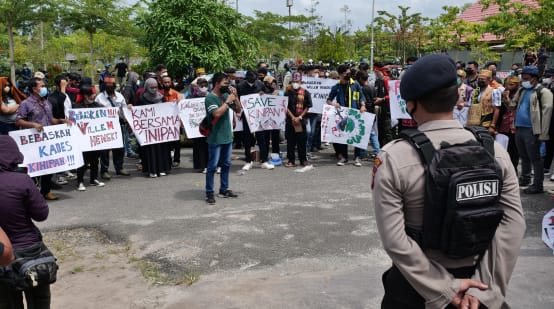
{"x": 155, "y": 123}
{"x": 191, "y": 112}
{"x": 548, "y": 229}
{"x": 398, "y": 108}
{"x": 346, "y": 126}
{"x": 99, "y": 126}
{"x": 319, "y": 88}
{"x": 55, "y": 149}
{"x": 264, "y": 112}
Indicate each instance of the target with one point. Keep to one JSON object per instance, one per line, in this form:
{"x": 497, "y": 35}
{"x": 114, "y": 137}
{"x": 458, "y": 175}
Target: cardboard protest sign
{"x": 346, "y": 126}
{"x": 397, "y": 104}
{"x": 319, "y": 89}
{"x": 55, "y": 149}
{"x": 155, "y": 123}
{"x": 548, "y": 229}
{"x": 264, "y": 112}
{"x": 191, "y": 112}
{"x": 99, "y": 127}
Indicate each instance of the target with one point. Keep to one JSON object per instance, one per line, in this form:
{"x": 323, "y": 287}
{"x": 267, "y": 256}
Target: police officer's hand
{"x": 465, "y": 285}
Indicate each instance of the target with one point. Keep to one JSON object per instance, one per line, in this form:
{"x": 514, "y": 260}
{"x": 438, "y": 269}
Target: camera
{"x": 232, "y": 104}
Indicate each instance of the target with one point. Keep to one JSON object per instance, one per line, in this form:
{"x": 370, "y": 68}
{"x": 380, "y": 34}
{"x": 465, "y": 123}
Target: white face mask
{"x": 296, "y": 86}
{"x": 204, "y": 89}
{"x": 7, "y": 89}
{"x": 138, "y": 82}
{"x": 527, "y": 84}
{"x": 546, "y": 81}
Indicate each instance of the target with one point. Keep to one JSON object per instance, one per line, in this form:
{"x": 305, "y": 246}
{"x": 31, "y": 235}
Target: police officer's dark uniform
{"x": 427, "y": 278}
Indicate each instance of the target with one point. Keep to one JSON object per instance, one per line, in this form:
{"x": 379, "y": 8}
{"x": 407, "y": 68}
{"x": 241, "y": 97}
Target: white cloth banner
{"x": 319, "y": 89}
{"x": 55, "y": 149}
{"x": 99, "y": 127}
{"x": 155, "y": 123}
{"x": 264, "y": 112}
{"x": 397, "y": 104}
{"x": 548, "y": 229}
{"x": 191, "y": 112}
{"x": 346, "y": 126}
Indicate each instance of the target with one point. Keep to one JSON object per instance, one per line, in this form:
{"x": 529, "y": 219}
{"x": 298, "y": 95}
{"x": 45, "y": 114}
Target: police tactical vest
{"x": 463, "y": 183}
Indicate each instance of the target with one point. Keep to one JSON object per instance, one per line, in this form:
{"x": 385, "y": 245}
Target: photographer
{"x": 21, "y": 204}
{"x": 220, "y": 141}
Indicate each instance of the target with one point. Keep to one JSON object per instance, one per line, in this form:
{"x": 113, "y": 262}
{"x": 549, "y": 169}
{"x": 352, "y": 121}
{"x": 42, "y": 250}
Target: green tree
{"x": 15, "y": 13}
{"x": 198, "y": 33}
{"x": 401, "y": 26}
{"x": 330, "y": 46}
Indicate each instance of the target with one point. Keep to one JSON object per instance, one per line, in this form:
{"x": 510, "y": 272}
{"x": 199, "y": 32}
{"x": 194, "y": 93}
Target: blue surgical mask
{"x": 527, "y": 84}
{"x": 43, "y": 92}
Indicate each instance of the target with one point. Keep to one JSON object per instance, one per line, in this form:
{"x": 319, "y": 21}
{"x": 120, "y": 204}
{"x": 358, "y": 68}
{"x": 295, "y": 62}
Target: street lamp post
{"x": 289, "y": 5}
{"x": 372, "y": 34}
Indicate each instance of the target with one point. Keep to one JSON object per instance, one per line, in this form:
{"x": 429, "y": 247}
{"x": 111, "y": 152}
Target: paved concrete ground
{"x": 291, "y": 240}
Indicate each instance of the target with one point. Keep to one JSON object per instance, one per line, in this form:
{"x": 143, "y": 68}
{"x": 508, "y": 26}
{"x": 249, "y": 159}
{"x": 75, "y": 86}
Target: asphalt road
{"x": 290, "y": 240}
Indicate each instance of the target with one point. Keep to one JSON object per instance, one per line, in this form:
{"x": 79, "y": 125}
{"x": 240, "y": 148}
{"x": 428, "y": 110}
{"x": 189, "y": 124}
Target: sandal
{"x": 290, "y": 164}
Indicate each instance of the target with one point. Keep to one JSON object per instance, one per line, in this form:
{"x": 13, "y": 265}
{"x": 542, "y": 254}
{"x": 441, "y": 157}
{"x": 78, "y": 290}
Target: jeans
{"x": 528, "y": 147}
{"x": 126, "y": 140}
{"x": 313, "y": 130}
{"x": 374, "y": 142}
{"x": 215, "y": 153}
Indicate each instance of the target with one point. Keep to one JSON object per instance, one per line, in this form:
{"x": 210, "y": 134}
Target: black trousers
{"x": 117, "y": 157}
{"x": 91, "y": 159}
{"x": 296, "y": 140}
{"x": 400, "y": 294}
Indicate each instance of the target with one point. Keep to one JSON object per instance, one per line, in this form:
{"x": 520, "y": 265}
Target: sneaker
{"x": 106, "y": 175}
{"x": 50, "y": 196}
{"x": 218, "y": 170}
{"x": 247, "y": 166}
{"x": 204, "y": 171}
{"x": 61, "y": 180}
{"x": 268, "y": 166}
{"x": 70, "y": 175}
{"x": 210, "y": 199}
{"x": 227, "y": 194}
{"x": 342, "y": 162}
{"x": 97, "y": 183}
{"x": 176, "y": 164}
{"x": 552, "y": 177}
{"x": 533, "y": 190}
{"x": 163, "y": 174}
{"x": 122, "y": 172}
{"x": 524, "y": 181}
{"x": 357, "y": 162}
{"x": 546, "y": 171}
{"x": 81, "y": 187}
{"x": 152, "y": 175}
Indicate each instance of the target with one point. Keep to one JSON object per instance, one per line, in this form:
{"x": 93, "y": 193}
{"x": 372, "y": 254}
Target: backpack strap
{"x": 483, "y": 137}
{"x": 420, "y": 141}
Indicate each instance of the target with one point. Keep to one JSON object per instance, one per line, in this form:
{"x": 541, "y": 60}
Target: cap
{"x": 531, "y": 70}
{"x": 427, "y": 75}
{"x": 200, "y": 71}
{"x": 512, "y": 79}
{"x": 461, "y": 73}
{"x": 269, "y": 79}
{"x": 39, "y": 74}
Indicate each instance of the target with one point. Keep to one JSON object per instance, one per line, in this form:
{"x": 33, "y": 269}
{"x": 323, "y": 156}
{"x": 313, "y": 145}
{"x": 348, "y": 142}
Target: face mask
{"x": 296, "y": 86}
{"x": 138, "y": 82}
{"x": 315, "y": 75}
{"x": 347, "y": 77}
{"x": 224, "y": 89}
{"x": 152, "y": 90}
{"x": 527, "y": 84}
{"x": 43, "y": 92}
{"x": 546, "y": 81}
{"x": 7, "y": 89}
{"x": 203, "y": 89}
{"x": 110, "y": 89}
{"x": 469, "y": 72}
{"x": 481, "y": 84}
{"x": 459, "y": 80}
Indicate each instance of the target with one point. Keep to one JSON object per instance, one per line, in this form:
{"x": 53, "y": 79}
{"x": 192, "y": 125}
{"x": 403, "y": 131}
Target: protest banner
{"x": 191, "y": 112}
{"x": 55, "y": 149}
{"x": 155, "y": 123}
{"x": 397, "y": 104}
{"x": 548, "y": 229}
{"x": 264, "y": 112}
{"x": 99, "y": 126}
{"x": 319, "y": 89}
{"x": 346, "y": 126}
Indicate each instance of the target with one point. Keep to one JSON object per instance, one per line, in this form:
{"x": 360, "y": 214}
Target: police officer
{"x": 424, "y": 278}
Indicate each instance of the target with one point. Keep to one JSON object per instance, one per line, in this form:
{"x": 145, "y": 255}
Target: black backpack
{"x": 463, "y": 183}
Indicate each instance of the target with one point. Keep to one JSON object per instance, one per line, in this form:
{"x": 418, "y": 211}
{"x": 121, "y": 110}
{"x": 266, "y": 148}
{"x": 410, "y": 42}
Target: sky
{"x": 360, "y": 10}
